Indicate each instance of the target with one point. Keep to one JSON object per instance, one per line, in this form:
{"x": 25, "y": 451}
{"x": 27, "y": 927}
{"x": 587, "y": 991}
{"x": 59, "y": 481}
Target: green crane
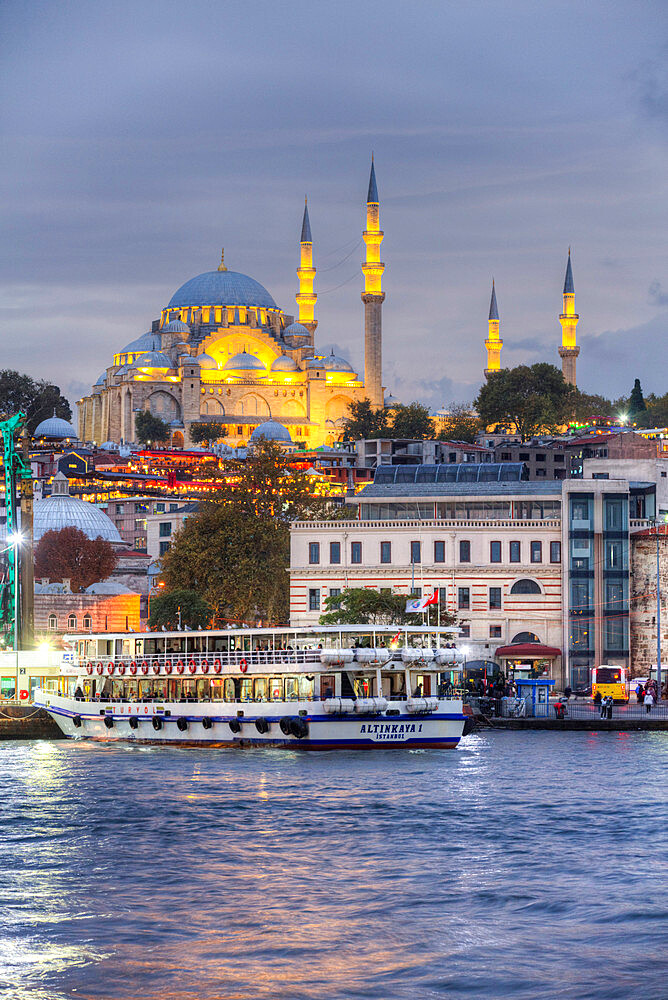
{"x": 17, "y": 474}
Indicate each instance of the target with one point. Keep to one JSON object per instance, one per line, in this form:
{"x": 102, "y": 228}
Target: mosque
{"x": 223, "y": 352}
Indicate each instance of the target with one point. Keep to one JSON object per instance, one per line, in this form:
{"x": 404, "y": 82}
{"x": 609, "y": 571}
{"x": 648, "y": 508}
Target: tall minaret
{"x": 569, "y": 320}
{"x": 493, "y": 342}
{"x": 306, "y": 297}
{"x": 373, "y": 296}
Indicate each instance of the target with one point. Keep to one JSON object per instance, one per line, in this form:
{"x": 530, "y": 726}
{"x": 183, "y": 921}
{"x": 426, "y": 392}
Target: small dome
{"x": 102, "y": 379}
{"x": 60, "y": 510}
{"x": 176, "y": 326}
{"x": 55, "y": 427}
{"x": 147, "y": 342}
{"x": 334, "y": 364}
{"x": 296, "y": 330}
{"x": 285, "y": 364}
{"x": 271, "y": 430}
{"x": 207, "y": 362}
{"x": 109, "y": 446}
{"x": 154, "y": 359}
{"x": 243, "y": 362}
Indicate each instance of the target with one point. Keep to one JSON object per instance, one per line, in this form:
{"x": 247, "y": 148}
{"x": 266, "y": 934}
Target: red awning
{"x": 528, "y": 651}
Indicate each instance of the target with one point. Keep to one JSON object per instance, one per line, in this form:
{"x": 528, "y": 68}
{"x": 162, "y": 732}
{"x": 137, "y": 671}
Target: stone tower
{"x": 306, "y": 297}
{"x": 373, "y": 297}
{"x": 569, "y": 350}
{"x": 493, "y": 342}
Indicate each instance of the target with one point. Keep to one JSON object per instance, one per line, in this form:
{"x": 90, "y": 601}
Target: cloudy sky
{"x": 138, "y": 138}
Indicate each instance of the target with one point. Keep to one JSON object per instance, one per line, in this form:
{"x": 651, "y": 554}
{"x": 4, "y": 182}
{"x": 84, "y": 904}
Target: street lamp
{"x": 153, "y": 587}
{"x": 14, "y": 540}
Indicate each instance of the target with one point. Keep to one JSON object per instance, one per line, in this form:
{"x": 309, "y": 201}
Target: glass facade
{"x": 615, "y": 577}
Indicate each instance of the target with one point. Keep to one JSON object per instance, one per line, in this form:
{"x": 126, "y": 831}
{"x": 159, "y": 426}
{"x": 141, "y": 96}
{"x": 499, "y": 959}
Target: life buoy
{"x": 156, "y": 668}
{"x": 205, "y": 666}
{"x": 110, "y": 668}
{"x": 121, "y": 668}
{"x": 89, "y": 668}
{"x": 24, "y": 695}
{"x": 168, "y": 668}
{"x": 133, "y": 668}
{"x": 217, "y": 666}
{"x": 192, "y": 666}
{"x": 99, "y": 668}
{"x": 179, "y": 667}
{"x": 243, "y": 665}
{"x": 144, "y": 667}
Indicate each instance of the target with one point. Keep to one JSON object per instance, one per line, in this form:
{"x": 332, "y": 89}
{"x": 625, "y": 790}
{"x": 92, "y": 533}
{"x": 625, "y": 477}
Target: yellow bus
{"x": 610, "y": 681}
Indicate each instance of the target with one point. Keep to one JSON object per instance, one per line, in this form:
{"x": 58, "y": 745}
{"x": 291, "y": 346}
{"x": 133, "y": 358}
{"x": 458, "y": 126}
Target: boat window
{"x": 230, "y": 692}
{"x": 196, "y": 643}
{"x": 260, "y": 689}
{"x": 327, "y": 685}
{"x": 139, "y": 647}
{"x": 291, "y": 689}
{"x": 247, "y": 689}
{"x": 175, "y": 644}
{"x": 117, "y": 690}
{"x": 189, "y": 689}
{"x": 216, "y": 689}
{"x": 218, "y": 643}
{"x": 276, "y": 689}
{"x": 203, "y": 693}
{"x": 161, "y": 687}
{"x": 363, "y": 687}
{"x": 87, "y": 689}
{"x": 145, "y": 689}
{"x": 233, "y": 643}
{"x": 306, "y": 687}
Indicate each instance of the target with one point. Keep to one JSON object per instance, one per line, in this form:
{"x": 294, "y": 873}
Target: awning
{"x": 528, "y": 651}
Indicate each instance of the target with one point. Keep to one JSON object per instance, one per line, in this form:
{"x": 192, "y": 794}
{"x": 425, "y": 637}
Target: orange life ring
{"x": 23, "y": 694}
{"x": 121, "y": 668}
{"x": 156, "y": 668}
{"x": 133, "y": 668}
{"x": 168, "y": 667}
{"x": 110, "y": 668}
{"x": 144, "y": 667}
{"x": 179, "y": 667}
{"x": 243, "y": 665}
{"x": 192, "y": 666}
{"x": 89, "y": 668}
{"x": 217, "y": 666}
{"x": 99, "y": 668}
{"x": 205, "y": 666}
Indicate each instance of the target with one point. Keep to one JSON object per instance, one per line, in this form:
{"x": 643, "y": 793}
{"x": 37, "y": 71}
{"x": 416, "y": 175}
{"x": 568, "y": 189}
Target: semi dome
{"x": 285, "y": 364}
{"x": 296, "y": 330}
{"x": 222, "y": 288}
{"x": 271, "y": 430}
{"x": 60, "y": 510}
{"x": 334, "y": 364}
{"x": 55, "y": 427}
{"x": 147, "y": 342}
{"x": 102, "y": 379}
{"x": 176, "y": 326}
{"x": 207, "y": 362}
{"x": 154, "y": 359}
{"x": 243, "y": 362}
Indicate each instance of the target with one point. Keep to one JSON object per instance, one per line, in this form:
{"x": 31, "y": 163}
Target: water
{"x": 523, "y": 865}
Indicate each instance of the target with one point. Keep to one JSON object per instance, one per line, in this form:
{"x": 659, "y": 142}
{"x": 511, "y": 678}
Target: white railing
{"x": 552, "y": 525}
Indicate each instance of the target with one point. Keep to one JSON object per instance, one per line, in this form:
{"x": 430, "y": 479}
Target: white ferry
{"x": 310, "y": 689}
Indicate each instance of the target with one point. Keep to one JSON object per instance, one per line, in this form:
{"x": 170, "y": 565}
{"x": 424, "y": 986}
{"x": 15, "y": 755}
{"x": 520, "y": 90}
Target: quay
{"x": 27, "y": 722}
{"x": 579, "y": 715}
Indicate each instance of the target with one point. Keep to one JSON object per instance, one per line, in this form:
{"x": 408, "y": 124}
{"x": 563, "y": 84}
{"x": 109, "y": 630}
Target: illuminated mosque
{"x": 223, "y": 352}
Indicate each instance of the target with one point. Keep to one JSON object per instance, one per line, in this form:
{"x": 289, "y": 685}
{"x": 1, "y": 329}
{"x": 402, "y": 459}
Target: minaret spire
{"x": 373, "y": 295}
{"x": 569, "y": 350}
{"x": 493, "y": 342}
{"x": 306, "y": 297}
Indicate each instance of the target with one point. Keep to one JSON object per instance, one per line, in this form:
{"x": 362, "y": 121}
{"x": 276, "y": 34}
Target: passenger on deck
{"x": 418, "y": 691}
{"x": 78, "y": 693}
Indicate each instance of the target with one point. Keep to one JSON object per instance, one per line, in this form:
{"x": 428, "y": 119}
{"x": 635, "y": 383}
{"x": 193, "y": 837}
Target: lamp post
{"x": 658, "y": 612}
{"x": 152, "y": 588}
{"x": 14, "y": 541}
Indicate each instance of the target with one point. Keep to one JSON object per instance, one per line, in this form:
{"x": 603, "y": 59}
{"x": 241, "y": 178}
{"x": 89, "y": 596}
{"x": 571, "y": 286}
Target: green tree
{"x": 206, "y": 432}
{"x": 69, "y": 554}
{"x": 656, "y": 414}
{"x": 150, "y": 429}
{"x": 36, "y": 398}
{"x": 180, "y": 607}
{"x": 534, "y": 398}
{"x": 461, "y": 424}
{"x": 586, "y": 406}
{"x": 636, "y": 400}
{"x": 412, "y": 421}
{"x": 361, "y": 606}
{"x": 365, "y": 421}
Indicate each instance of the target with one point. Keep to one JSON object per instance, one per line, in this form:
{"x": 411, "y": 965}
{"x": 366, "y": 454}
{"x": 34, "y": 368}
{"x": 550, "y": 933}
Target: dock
{"x": 25, "y": 722}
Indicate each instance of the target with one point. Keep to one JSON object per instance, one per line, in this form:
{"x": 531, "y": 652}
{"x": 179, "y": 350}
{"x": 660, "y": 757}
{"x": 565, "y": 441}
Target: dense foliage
{"x": 461, "y": 424}
{"x": 70, "y": 554}
{"x": 176, "y": 608}
{"x": 534, "y": 398}
{"x": 363, "y": 606}
{"x": 150, "y": 429}
{"x": 207, "y": 432}
{"x": 36, "y": 398}
{"x": 365, "y": 421}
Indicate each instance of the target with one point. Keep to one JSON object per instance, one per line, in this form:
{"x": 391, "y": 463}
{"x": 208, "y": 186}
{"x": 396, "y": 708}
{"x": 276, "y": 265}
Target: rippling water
{"x": 522, "y": 865}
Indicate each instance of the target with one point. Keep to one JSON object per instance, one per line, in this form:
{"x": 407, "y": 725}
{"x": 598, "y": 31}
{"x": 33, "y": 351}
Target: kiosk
{"x": 536, "y": 696}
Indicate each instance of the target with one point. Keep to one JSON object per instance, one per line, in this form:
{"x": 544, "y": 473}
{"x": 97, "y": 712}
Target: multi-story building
{"x": 372, "y": 452}
{"x": 163, "y": 525}
{"x": 518, "y": 562}
{"x": 131, "y": 515}
{"x": 649, "y": 557}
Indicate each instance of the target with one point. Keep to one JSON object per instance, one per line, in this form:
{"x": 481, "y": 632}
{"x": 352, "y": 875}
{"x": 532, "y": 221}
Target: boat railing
{"x": 234, "y": 658}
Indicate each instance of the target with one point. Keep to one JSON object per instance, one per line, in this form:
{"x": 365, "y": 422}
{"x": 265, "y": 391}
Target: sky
{"x": 138, "y": 138}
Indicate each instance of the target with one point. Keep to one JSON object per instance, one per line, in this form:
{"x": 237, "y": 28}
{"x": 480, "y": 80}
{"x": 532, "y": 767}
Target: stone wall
{"x": 643, "y": 600}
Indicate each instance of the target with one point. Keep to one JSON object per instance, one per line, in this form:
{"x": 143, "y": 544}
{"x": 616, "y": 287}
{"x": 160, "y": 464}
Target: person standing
{"x": 649, "y": 700}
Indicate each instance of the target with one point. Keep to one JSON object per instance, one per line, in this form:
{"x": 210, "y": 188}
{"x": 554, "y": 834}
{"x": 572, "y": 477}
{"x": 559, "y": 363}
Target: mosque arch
{"x": 212, "y": 405}
{"x": 162, "y": 404}
{"x": 252, "y": 405}
{"x": 336, "y": 410}
{"x": 292, "y": 408}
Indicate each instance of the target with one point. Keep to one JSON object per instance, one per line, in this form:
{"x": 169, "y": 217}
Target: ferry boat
{"x": 325, "y": 688}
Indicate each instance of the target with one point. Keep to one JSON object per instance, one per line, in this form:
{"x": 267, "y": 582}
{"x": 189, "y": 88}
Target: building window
{"x": 53, "y": 623}
{"x": 356, "y": 553}
{"x": 314, "y": 553}
{"x": 119, "y": 508}
{"x": 525, "y": 587}
{"x": 495, "y": 598}
{"x": 335, "y": 553}
{"x": 515, "y": 552}
{"x": 495, "y": 631}
{"x": 87, "y": 623}
{"x": 165, "y": 529}
{"x": 314, "y": 599}
{"x": 164, "y": 547}
{"x": 465, "y": 631}
{"x": 465, "y": 551}
{"x": 386, "y": 552}
{"x": 463, "y": 598}
{"x": 439, "y": 552}
{"x": 72, "y": 621}
{"x": 139, "y": 544}
{"x": 416, "y": 555}
{"x": 555, "y": 552}
{"x": 334, "y": 591}
{"x": 495, "y": 552}
{"x": 536, "y": 552}
{"x": 160, "y": 508}
{"x": 173, "y": 506}
{"x": 443, "y": 596}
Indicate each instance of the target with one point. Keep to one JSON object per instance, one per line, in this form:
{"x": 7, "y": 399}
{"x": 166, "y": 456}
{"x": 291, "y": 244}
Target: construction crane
{"x": 16, "y": 597}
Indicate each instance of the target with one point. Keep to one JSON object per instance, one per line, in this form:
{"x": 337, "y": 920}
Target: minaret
{"x": 306, "y": 297}
{"x": 569, "y": 320}
{"x": 493, "y": 342}
{"x": 373, "y": 296}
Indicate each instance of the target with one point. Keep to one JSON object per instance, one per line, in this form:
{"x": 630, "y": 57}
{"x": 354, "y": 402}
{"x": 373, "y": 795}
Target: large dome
{"x": 60, "y": 510}
{"x": 222, "y": 288}
{"x": 243, "y": 362}
{"x": 271, "y": 430}
{"x": 55, "y": 427}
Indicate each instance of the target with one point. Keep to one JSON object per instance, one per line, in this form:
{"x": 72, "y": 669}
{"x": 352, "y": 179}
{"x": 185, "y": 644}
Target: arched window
{"x": 87, "y": 622}
{"x": 525, "y": 587}
{"x": 524, "y": 637}
{"x": 53, "y": 623}
{"x": 72, "y": 621}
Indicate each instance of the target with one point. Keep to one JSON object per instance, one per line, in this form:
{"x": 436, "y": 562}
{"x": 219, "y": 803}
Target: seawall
{"x": 25, "y": 722}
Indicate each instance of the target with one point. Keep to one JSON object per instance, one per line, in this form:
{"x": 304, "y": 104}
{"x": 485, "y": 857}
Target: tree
{"x": 150, "y": 429}
{"x": 70, "y": 554}
{"x": 179, "y": 607}
{"x": 206, "y": 432}
{"x": 362, "y": 606}
{"x": 637, "y": 400}
{"x": 460, "y": 424}
{"x": 586, "y": 407}
{"x": 37, "y": 399}
{"x": 365, "y": 421}
{"x": 534, "y": 398}
{"x": 412, "y": 421}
